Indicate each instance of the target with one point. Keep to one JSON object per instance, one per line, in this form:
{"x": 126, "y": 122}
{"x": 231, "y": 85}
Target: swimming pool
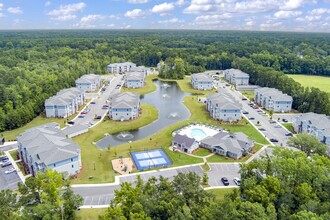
{"x": 197, "y": 133}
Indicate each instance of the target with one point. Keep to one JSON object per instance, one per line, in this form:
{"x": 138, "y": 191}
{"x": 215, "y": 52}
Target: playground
{"x": 123, "y": 165}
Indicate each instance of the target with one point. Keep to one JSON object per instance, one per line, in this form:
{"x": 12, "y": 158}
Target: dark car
{"x": 245, "y": 112}
{"x": 285, "y": 120}
{"x": 244, "y": 99}
{"x": 272, "y": 122}
{"x": 3, "y": 157}
{"x": 98, "y": 117}
{"x": 261, "y": 129}
{"x": 93, "y": 102}
{"x": 225, "y": 181}
{"x": 289, "y": 134}
{"x": 81, "y": 116}
{"x": 71, "y": 122}
{"x": 273, "y": 140}
{"x": 251, "y": 118}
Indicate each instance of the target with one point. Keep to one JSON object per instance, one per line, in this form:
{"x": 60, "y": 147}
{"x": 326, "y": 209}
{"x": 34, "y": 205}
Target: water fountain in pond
{"x": 173, "y": 115}
{"x": 166, "y": 96}
{"x": 165, "y": 85}
{"x": 125, "y": 136}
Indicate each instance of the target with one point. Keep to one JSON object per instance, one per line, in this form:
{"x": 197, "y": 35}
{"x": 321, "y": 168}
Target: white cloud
{"x": 86, "y": 21}
{"x": 48, "y": 3}
{"x": 67, "y": 12}
{"x": 15, "y": 10}
{"x": 1, "y": 15}
{"x": 287, "y": 14}
{"x": 1, "y": 6}
{"x": 136, "y": 13}
{"x": 319, "y": 11}
{"x": 137, "y": 1}
{"x": 292, "y": 4}
{"x": 180, "y": 2}
{"x": 171, "y": 21}
{"x": 163, "y": 8}
{"x": 270, "y": 25}
{"x": 213, "y": 17}
{"x": 309, "y": 18}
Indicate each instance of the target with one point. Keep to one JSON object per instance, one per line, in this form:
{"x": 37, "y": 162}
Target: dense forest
{"x": 287, "y": 186}
{"x": 34, "y": 65}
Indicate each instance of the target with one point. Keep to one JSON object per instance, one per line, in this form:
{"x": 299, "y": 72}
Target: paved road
{"x": 275, "y": 130}
{"x": 99, "y": 99}
{"x": 100, "y": 195}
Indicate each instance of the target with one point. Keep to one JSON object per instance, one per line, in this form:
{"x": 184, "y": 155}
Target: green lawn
{"x": 89, "y": 214}
{"x": 13, "y": 154}
{"x": 321, "y": 82}
{"x": 202, "y": 152}
{"x": 185, "y": 86}
{"x": 220, "y": 193}
{"x": 248, "y": 93}
{"x": 148, "y": 88}
{"x": 96, "y": 162}
{"x": 289, "y": 126}
{"x": 37, "y": 121}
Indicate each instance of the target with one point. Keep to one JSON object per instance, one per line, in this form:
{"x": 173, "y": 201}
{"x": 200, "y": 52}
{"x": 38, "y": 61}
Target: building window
{"x": 72, "y": 165}
{"x": 54, "y": 165}
{"x": 71, "y": 159}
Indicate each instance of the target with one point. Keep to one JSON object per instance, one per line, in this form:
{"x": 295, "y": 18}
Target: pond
{"x": 168, "y": 99}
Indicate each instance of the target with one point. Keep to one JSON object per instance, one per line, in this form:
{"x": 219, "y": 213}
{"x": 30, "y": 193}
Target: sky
{"x": 259, "y": 15}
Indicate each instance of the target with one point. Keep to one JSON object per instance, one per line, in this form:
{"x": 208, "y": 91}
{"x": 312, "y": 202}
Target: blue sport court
{"x": 150, "y": 159}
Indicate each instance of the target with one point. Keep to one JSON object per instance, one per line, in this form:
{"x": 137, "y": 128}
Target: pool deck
{"x": 209, "y": 131}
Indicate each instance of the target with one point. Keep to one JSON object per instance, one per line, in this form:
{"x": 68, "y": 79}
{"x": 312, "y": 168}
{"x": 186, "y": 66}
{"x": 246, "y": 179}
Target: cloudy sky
{"x": 265, "y": 15}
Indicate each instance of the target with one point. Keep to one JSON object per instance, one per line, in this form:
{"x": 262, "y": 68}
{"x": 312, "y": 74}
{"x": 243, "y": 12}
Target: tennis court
{"x": 150, "y": 159}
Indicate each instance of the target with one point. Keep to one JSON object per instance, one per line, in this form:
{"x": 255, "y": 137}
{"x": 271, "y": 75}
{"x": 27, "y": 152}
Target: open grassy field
{"x": 148, "y": 88}
{"x": 289, "y": 126}
{"x": 202, "y": 152}
{"x": 97, "y": 163}
{"x": 220, "y": 193}
{"x": 321, "y": 82}
{"x": 37, "y": 121}
{"x": 89, "y": 214}
{"x": 248, "y": 93}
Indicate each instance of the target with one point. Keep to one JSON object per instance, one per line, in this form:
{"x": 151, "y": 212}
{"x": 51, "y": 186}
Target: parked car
{"x": 93, "y": 102}
{"x": 245, "y": 112}
{"x": 289, "y": 134}
{"x": 103, "y": 89}
{"x": 98, "y": 117}
{"x": 81, "y": 116}
{"x": 237, "y": 181}
{"x": 83, "y": 113}
{"x": 225, "y": 181}
{"x": 255, "y": 107}
{"x": 273, "y": 140}
{"x": 3, "y": 157}
{"x": 5, "y": 163}
{"x": 261, "y": 129}
{"x": 278, "y": 126}
{"x": 71, "y": 122}
{"x": 11, "y": 170}
{"x": 251, "y": 118}
{"x": 285, "y": 120}
{"x": 272, "y": 122}
{"x": 244, "y": 99}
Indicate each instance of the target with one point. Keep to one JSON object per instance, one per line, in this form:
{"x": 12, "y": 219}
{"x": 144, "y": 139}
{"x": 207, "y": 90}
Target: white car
{"x": 11, "y": 170}
{"x": 237, "y": 181}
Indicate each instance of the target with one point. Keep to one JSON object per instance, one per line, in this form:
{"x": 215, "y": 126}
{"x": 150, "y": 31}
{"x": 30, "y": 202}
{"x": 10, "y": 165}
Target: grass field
{"x": 220, "y": 193}
{"x": 89, "y": 214}
{"x": 37, "y": 121}
{"x": 289, "y": 126}
{"x": 148, "y": 88}
{"x": 248, "y": 93}
{"x": 202, "y": 152}
{"x": 321, "y": 82}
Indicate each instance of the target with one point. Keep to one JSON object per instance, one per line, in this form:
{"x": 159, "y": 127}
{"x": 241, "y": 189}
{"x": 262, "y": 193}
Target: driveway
{"x": 99, "y": 99}
{"x": 8, "y": 181}
{"x": 276, "y": 130}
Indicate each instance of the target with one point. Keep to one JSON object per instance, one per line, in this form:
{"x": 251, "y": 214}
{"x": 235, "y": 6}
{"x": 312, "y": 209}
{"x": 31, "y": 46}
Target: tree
{"x": 48, "y": 196}
{"x": 8, "y": 206}
{"x": 308, "y": 144}
{"x": 205, "y": 179}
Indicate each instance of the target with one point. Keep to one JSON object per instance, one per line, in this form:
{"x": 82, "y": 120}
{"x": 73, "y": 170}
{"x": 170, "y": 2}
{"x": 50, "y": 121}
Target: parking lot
{"x": 229, "y": 170}
{"x": 8, "y": 181}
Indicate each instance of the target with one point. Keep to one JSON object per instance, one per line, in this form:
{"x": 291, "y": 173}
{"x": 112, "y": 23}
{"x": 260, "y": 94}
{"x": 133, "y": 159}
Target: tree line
{"x": 34, "y": 65}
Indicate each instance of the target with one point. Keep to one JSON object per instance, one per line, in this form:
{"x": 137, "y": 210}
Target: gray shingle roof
{"x": 48, "y": 144}
{"x": 237, "y": 73}
{"x": 273, "y": 94}
{"x": 224, "y": 101}
{"x": 184, "y": 139}
{"x": 64, "y": 97}
{"x": 202, "y": 77}
{"x": 135, "y": 75}
{"x": 320, "y": 121}
{"x": 89, "y": 78}
{"x": 124, "y": 99}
